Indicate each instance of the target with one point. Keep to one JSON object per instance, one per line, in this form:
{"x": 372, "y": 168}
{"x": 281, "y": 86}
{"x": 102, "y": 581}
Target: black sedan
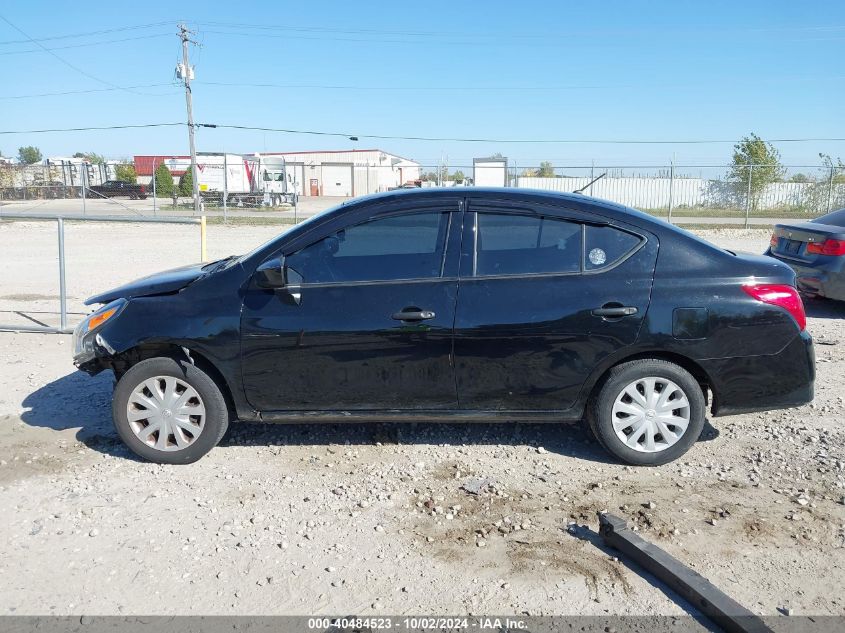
{"x": 442, "y": 305}
{"x": 816, "y": 252}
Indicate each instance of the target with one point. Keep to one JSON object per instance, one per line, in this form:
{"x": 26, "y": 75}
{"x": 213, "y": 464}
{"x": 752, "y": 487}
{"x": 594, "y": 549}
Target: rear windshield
{"x": 837, "y": 218}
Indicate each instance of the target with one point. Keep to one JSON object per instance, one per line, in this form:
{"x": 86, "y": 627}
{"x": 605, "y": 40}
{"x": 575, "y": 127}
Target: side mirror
{"x": 274, "y": 275}
{"x": 270, "y": 274}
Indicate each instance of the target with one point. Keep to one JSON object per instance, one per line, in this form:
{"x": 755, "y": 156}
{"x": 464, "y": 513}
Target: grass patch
{"x": 687, "y": 212}
{"x": 706, "y": 227}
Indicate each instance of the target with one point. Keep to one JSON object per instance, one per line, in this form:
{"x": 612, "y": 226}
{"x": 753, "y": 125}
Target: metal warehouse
{"x": 347, "y": 172}
{"x": 323, "y": 173}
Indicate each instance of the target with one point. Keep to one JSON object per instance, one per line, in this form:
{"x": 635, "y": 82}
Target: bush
{"x": 126, "y": 173}
{"x": 164, "y": 181}
{"x": 186, "y": 184}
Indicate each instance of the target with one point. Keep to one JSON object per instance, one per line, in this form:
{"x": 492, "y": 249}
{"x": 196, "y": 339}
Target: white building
{"x": 490, "y": 172}
{"x": 347, "y": 172}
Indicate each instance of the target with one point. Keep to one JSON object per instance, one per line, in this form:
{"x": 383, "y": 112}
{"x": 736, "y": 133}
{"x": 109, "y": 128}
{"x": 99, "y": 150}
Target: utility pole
{"x": 186, "y": 73}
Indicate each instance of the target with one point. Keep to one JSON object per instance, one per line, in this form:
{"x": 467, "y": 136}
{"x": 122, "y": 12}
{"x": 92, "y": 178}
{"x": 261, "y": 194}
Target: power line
{"x": 89, "y": 33}
{"x": 85, "y": 44}
{"x": 499, "y": 37}
{"x": 63, "y": 60}
{"x": 440, "y": 34}
{"x": 506, "y": 140}
{"x": 86, "y": 129}
{"x": 428, "y": 138}
{"x": 90, "y": 90}
{"x": 500, "y": 88}
{"x": 377, "y": 40}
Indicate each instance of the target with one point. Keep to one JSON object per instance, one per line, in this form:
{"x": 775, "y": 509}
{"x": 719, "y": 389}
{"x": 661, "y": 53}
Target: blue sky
{"x": 558, "y": 70}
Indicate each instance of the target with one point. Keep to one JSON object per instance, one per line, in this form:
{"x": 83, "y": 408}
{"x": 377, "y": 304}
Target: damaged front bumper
{"x": 88, "y": 343}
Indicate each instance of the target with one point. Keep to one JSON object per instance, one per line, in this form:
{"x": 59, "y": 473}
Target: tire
{"x": 645, "y": 445}
{"x": 198, "y": 431}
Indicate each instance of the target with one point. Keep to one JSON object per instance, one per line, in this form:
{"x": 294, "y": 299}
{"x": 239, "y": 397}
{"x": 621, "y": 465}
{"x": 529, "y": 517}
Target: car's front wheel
{"x": 647, "y": 412}
{"x": 169, "y": 411}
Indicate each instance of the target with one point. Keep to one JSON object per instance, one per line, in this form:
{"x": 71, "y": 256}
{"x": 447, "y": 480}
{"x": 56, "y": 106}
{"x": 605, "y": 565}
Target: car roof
{"x": 610, "y": 211}
{"x": 575, "y": 200}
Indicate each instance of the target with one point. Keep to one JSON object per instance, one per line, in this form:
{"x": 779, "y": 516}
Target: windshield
{"x": 837, "y": 218}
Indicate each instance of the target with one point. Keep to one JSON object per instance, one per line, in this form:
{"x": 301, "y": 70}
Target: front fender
{"x": 202, "y": 318}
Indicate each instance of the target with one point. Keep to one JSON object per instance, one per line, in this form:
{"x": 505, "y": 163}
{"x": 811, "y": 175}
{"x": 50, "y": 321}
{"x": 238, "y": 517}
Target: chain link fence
{"x": 255, "y": 186}
{"x": 708, "y": 192}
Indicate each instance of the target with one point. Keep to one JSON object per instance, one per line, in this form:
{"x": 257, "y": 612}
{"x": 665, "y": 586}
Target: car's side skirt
{"x": 446, "y": 416}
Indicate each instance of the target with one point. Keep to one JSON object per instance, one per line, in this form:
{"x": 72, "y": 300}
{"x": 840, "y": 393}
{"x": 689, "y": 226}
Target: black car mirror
{"x": 274, "y": 275}
{"x": 270, "y": 274}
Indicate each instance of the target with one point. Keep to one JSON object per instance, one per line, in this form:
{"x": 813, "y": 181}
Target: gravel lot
{"x": 371, "y": 518}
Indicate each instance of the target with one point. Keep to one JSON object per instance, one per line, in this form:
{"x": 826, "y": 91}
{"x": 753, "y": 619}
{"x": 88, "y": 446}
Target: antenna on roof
{"x": 594, "y": 180}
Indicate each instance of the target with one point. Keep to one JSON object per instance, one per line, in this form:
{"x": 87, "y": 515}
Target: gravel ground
{"x": 372, "y": 518}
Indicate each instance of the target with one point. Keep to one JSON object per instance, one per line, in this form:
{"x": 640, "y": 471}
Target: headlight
{"x": 83, "y": 337}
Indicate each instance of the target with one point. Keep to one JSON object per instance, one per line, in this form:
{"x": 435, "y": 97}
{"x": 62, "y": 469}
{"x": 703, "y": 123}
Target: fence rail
{"x": 706, "y": 192}
{"x": 733, "y": 190}
{"x": 60, "y": 224}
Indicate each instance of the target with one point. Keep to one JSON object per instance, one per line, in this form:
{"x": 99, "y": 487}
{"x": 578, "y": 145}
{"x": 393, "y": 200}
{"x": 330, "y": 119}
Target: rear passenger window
{"x": 520, "y": 245}
{"x": 606, "y": 245}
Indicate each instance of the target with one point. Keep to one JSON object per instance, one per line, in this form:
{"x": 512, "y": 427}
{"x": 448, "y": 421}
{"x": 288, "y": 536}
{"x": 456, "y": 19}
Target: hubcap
{"x": 166, "y": 413}
{"x": 651, "y": 414}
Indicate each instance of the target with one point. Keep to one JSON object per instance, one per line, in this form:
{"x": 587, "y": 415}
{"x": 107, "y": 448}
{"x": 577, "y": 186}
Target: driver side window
{"x": 387, "y": 249}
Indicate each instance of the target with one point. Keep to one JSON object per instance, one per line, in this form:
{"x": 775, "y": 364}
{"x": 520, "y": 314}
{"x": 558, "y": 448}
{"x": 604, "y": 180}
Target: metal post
{"x": 748, "y": 195}
{"x": 183, "y": 34}
{"x": 202, "y": 239}
{"x": 154, "y": 185}
{"x": 84, "y": 182}
{"x": 671, "y": 188}
{"x": 225, "y": 189}
{"x": 62, "y": 286}
{"x": 830, "y": 190}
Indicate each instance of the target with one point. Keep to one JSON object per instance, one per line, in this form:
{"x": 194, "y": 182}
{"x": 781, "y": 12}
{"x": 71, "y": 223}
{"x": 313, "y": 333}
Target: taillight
{"x": 828, "y": 247}
{"x": 780, "y": 295}
{"x": 143, "y": 189}
{"x": 774, "y": 241}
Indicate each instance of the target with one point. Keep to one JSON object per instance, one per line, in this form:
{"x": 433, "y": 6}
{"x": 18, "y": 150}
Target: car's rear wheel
{"x": 647, "y": 412}
{"x": 169, "y": 411}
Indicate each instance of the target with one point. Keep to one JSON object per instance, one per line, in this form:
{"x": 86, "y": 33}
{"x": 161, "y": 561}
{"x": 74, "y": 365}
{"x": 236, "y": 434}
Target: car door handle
{"x": 614, "y": 311}
{"x": 413, "y": 315}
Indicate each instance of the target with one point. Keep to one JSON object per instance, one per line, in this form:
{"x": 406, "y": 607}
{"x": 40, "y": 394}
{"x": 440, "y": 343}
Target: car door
{"x": 545, "y": 294}
{"x": 373, "y": 325}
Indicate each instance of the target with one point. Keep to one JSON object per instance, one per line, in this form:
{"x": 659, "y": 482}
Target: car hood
{"x": 157, "y": 284}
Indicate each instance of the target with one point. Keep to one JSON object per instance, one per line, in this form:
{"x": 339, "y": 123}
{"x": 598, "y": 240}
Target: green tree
{"x": 126, "y": 173}
{"x": 756, "y": 165}
{"x": 800, "y": 177}
{"x": 29, "y": 155}
{"x": 546, "y": 170}
{"x": 91, "y": 157}
{"x": 186, "y": 183}
{"x": 458, "y": 176}
{"x": 834, "y": 170}
{"x": 164, "y": 181}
